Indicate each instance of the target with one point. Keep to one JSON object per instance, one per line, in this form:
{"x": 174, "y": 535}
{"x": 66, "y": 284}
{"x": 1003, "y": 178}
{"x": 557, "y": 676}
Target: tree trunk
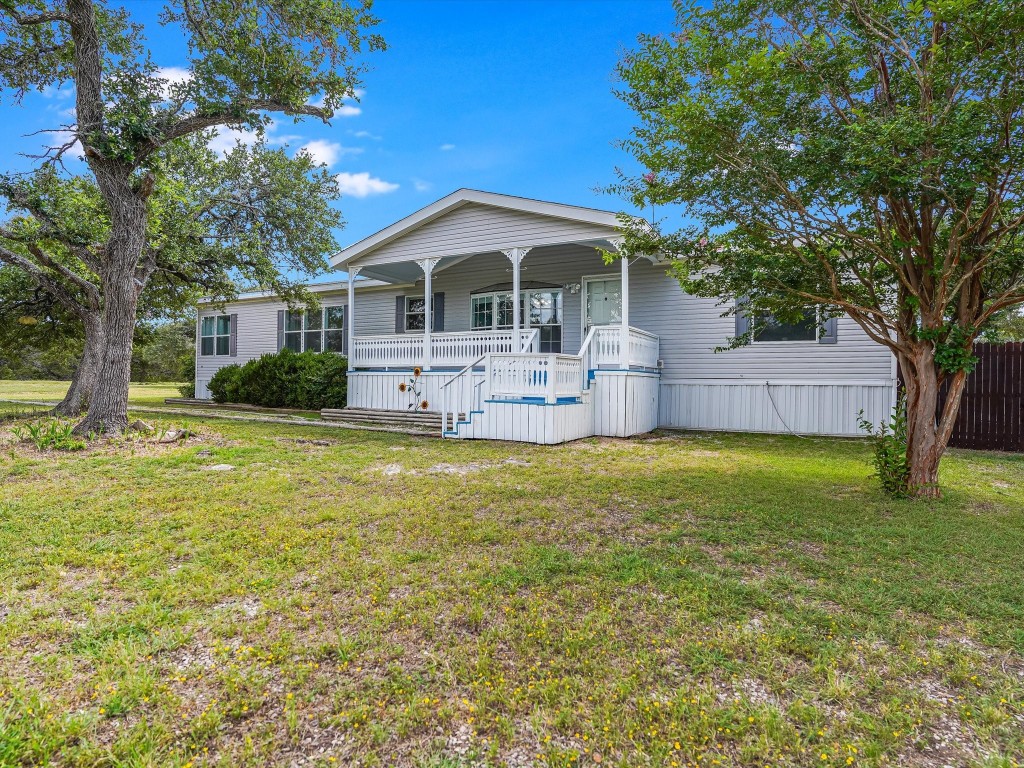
{"x": 108, "y": 408}
{"x": 83, "y": 383}
{"x": 927, "y": 432}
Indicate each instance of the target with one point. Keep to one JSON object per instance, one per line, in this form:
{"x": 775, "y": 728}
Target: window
{"x": 414, "y": 309}
{"x": 414, "y": 313}
{"x": 483, "y": 311}
{"x": 320, "y": 330}
{"x": 770, "y": 329}
{"x": 215, "y": 336}
{"x": 541, "y": 309}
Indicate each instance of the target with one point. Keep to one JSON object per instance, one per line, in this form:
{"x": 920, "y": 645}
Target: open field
{"x": 54, "y": 391}
{"x": 343, "y": 598}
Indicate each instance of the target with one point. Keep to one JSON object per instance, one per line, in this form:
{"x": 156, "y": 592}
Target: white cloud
{"x": 63, "y": 138}
{"x": 59, "y": 91}
{"x": 446, "y": 147}
{"x": 421, "y": 186}
{"x": 346, "y": 109}
{"x": 228, "y": 138}
{"x": 366, "y": 135}
{"x": 174, "y": 75}
{"x": 363, "y": 185}
{"x": 327, "y": 152}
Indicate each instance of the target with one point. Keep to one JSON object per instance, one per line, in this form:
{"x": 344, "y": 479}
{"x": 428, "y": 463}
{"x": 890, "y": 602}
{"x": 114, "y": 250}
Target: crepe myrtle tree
{"x": 858, "y": 157}
{"x": 253, "y": 217}
{"x": 247, "y": 59}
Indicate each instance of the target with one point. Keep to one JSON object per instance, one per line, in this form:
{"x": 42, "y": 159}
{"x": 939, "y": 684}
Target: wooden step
{"x": 412, "y": 421}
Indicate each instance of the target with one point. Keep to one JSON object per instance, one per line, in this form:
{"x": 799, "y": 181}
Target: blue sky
{"x": 510, "y": 97}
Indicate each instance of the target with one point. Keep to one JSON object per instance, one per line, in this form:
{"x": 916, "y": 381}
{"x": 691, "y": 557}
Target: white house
{"x": 590, "y": 348}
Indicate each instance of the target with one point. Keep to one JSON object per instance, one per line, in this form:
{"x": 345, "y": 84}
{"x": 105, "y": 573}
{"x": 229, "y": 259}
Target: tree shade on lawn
{"x": 860, "y": 158}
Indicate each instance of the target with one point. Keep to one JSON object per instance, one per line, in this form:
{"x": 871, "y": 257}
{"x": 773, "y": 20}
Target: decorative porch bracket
{"x": 516, "y": 256}
{"x": 427, "y": 265}
{"x": 616, "y": 243}
{"x": 350, "y": 330}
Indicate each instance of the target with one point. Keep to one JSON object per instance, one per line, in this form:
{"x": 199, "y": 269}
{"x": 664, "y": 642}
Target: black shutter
{"x": 280, "y": 329}
{"x": 233, "y": 338}
{"x": 344, "y": 325}
{"x": 437, "y": 307}
{"x": 742, "y": 317}
{"x": 829, "y": 331}
{"x": 399, "y": 314}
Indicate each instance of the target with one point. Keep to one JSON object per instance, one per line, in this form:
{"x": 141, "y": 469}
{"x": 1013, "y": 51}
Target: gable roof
{"x": 597, "y": 224}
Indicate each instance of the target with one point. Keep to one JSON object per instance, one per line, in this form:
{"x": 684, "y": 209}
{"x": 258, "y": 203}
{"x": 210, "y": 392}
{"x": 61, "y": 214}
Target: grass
{"x": 342, "y": 598}
{"x": 145, "y": 396}
{"x": 53, "y": 391}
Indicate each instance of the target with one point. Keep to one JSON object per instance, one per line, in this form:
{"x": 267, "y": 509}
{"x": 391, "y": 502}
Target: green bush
{"x": 889, "y": 446}
{"x": 307, "y": 380}
{"x": 188, "y": 390}
{"x": 224, "y": 386}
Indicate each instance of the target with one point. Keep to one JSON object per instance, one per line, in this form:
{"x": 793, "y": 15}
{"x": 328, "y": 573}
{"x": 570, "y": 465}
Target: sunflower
{"x": 424, "y": 405}
{"x": 416, "y": 371}
{"x": 402, "y": 387}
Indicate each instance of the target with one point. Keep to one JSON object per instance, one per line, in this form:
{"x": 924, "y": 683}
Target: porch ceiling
{"x": 409, "y": 272}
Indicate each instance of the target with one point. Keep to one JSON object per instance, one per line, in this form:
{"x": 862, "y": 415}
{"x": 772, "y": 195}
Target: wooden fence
{"x": 992, "y": 408}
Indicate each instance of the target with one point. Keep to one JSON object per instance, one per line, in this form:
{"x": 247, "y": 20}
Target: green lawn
{"x": 54, "y": 391}
{"x": 343, "y": 598}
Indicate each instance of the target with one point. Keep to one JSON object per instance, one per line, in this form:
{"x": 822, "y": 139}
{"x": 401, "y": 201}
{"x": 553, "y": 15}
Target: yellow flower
{"x": 402, "y": 387}
{"x": 424, "y": 405}
{"x": 416, "y": 371}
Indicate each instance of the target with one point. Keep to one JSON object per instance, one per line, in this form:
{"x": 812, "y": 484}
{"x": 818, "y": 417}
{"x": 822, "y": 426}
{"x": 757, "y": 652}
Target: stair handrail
{"x": 445, "y": 395}
{"x": 584, "y": 355}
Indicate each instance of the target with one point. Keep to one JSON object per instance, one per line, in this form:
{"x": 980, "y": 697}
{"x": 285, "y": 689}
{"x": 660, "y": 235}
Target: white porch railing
{"x": 447, "y": 349}
{"x": 606, "y": 347}
{"x": 536, "y": 376}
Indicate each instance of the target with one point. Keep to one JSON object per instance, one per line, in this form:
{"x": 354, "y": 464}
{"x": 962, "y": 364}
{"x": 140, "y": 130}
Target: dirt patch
{"x": 390, "y": 470}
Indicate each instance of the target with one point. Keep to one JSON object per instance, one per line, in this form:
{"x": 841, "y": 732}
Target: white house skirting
{"x": 829, "y": 408}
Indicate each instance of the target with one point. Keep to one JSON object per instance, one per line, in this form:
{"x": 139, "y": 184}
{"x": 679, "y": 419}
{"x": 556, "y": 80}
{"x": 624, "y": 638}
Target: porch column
{"x": 516, "y": 255}
{"x": 427, "y": 265}
{"x": 350, "y": 329}
{"x": 624, "y": 338}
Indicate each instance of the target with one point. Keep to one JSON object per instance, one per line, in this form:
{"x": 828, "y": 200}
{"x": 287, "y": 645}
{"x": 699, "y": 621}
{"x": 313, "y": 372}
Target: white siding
{"x": 475, "y": 228}
{"x": 257, "y": 334}
{"x": 691, "y": 328}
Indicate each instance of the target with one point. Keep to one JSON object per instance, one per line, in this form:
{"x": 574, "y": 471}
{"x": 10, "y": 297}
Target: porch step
{"x": 411, "y": 421}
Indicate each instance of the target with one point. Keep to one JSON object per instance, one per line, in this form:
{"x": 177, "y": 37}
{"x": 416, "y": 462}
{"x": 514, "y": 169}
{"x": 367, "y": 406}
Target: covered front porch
{"x": 484, "y": 321}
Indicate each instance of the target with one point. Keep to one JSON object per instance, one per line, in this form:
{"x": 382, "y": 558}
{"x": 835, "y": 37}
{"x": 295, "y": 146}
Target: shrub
{"x": 306, "y": 380}
{"x": 188, "y": 390}
{"x": 889, "y": 446}
{"x": 225, "y": 384}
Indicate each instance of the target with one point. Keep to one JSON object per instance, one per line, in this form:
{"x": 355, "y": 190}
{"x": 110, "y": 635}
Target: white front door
{"x": 602, "y": 302}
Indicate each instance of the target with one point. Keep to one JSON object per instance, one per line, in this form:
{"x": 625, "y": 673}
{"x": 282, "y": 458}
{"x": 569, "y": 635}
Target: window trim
{"x": 323, "y": 330}
{"x": 215, "y": 336}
